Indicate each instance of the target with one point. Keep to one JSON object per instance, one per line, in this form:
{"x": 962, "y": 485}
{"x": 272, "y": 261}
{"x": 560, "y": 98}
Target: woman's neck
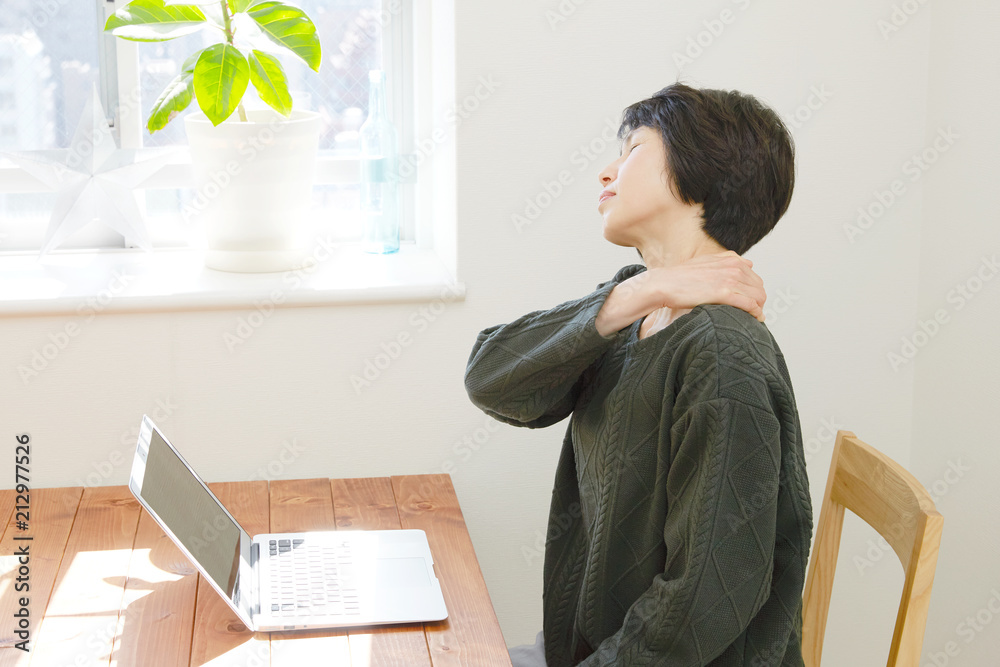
{"x": 659, "y": 319}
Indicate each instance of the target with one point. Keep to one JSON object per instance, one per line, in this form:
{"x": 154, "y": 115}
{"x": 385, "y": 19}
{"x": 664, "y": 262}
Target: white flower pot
{"x": 253, "y": 187}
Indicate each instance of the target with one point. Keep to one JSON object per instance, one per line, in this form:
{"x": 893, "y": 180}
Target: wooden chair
{"x": 892, "y": 501}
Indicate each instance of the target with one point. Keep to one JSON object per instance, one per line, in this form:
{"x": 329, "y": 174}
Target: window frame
{"x": 174, "y": 279}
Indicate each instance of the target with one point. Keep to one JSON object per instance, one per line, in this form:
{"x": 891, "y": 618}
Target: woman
{"x": 680, "y": 522}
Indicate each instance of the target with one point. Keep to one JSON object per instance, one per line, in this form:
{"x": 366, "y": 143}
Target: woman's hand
{"x": 724, "y": 278}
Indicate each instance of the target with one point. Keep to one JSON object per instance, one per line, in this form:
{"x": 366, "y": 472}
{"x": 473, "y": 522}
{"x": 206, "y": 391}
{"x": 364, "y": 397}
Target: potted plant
{"x": 253, "y": 168}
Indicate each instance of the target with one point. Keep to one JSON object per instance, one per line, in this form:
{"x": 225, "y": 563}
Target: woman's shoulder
{"x": 727, "y": 333}
{"x": 624, "y": 273}
{"x": 629, "y": 270}
{"x": 724, "y": 353}
{"x": 723, "y": 320}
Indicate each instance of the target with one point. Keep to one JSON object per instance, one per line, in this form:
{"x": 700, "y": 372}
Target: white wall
{"x": 955, "y": 390}
{"x": 848, "y": 303}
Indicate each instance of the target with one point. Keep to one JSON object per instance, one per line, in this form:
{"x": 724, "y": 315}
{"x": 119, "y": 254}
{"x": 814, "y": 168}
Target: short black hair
{"x": 725, "y": 150}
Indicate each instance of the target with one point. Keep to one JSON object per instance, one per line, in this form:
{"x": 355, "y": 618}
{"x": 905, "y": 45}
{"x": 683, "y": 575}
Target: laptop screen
{"x": 191, "y": 513}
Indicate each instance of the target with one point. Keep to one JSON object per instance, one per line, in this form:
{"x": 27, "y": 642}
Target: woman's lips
{"x": 604, "y": 196}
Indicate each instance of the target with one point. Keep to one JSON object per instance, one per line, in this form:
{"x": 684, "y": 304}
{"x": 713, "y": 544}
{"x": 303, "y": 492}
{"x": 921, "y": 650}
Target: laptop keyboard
{"x": 312, "y": 577}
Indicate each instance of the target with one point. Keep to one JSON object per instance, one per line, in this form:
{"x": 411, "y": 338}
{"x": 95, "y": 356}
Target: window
{"x": 51, "y": 54}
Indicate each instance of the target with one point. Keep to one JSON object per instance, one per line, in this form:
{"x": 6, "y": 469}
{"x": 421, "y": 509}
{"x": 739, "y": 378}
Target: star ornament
{"x": 93, "y": 179}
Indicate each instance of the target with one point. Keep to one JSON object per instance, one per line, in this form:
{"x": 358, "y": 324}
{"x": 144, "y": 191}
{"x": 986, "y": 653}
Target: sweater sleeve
{"x": 721, "y": 489}
{"x": 529, "y": 372}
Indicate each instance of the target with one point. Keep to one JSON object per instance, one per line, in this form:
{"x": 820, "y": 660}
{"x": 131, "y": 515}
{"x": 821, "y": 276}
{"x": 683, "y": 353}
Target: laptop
{"x": 285, "y": 581}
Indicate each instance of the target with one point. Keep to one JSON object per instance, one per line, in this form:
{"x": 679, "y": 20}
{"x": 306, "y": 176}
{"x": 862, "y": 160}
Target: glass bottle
{"x": 379, "y": 173}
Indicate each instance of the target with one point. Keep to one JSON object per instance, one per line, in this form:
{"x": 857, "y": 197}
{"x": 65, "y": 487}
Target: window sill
{"x": 125, "y": 280}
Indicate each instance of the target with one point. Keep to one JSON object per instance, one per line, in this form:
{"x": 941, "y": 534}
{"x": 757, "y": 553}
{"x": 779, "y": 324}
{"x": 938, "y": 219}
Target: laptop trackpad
{"x": 396, "y": 572}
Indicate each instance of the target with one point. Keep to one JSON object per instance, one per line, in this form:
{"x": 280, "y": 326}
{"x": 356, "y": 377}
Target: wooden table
{"x": 107, "y": 587}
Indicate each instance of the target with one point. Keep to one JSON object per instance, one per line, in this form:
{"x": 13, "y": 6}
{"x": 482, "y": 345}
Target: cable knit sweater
{"x": 680, "y": 521}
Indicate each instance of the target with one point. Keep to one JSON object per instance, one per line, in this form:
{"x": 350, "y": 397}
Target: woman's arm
{"x": 630, "y": 299}
{"x": 528, "y": 372}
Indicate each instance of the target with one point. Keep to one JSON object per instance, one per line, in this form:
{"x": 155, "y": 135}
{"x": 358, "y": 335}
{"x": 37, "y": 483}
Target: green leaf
{"x": 268, "y": 77}
{"x": 151, "y": 21}
{"x": 289, "y": 27}
{"x": 175, "y": 98}
{"x": 220, "y": 79}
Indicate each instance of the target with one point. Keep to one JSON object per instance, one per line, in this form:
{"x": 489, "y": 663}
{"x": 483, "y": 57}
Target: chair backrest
{"x": 892, "y": 501}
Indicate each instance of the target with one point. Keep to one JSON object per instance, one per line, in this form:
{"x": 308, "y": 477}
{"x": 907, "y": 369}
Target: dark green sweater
{"x": 681, "y": 518}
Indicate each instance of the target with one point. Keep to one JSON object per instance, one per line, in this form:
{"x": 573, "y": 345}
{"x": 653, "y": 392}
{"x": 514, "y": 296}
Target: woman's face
{"x": 643, "y": 203}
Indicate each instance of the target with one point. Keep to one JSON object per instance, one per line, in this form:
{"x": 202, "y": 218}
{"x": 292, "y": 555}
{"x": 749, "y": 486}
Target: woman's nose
{"x": 606, "y": 176}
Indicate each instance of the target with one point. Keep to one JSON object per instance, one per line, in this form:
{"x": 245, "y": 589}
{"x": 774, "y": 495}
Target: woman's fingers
{"x": 724, "y": 277}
